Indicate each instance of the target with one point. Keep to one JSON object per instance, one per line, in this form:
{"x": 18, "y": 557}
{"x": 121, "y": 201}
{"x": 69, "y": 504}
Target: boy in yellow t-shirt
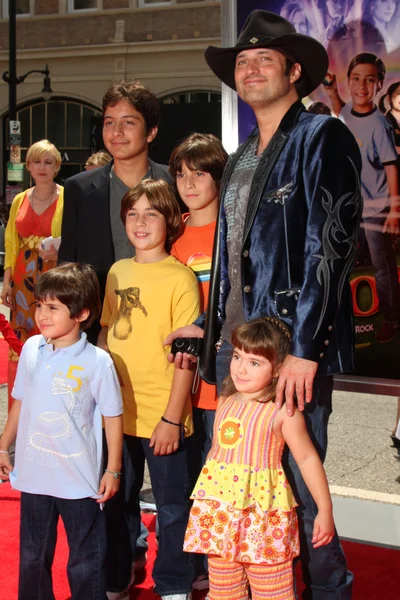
{"x": 146, "y": 298}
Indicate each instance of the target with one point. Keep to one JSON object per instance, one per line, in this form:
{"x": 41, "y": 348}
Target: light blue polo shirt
{"x": 64, "y": 393}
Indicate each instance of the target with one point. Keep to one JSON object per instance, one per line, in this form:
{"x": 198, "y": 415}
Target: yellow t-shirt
{"x": 145, "y": 302}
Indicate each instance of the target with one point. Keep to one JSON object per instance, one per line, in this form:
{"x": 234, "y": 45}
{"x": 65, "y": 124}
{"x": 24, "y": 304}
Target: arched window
{"x": 67, "y": 123}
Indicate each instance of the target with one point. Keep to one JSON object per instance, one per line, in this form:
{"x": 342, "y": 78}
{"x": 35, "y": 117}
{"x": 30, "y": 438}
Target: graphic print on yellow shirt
{"x": 130, "y": 299}
{"x": 165, "y": 297}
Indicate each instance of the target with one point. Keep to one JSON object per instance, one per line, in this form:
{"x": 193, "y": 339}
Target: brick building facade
{"x": 87, "y": 44}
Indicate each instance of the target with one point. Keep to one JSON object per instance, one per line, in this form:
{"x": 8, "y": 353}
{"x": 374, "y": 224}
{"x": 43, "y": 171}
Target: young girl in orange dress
{"x": 244, "y": 512}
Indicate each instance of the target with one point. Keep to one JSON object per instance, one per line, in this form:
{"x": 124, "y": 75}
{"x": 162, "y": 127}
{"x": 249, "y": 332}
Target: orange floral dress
{"x": 32, "y": 229}
{"x": 244, "y": 509}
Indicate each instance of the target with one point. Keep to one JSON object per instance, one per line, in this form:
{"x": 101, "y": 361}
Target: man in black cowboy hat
{"x": 285, "y": 245}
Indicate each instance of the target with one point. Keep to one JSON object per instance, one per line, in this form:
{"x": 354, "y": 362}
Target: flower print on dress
{"x": 206, "y": 521}
{"x": 213, "y": 503}
{"x": 274, "y": 518}
{"x": 230, "y": 433}
{"x": 205, "y": 535}
{"x": 222, "y": 516}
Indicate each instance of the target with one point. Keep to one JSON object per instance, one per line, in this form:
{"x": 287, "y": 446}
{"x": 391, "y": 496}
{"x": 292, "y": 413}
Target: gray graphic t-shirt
{"x": 235, "y": 202}
{"x": 122, "y": 246}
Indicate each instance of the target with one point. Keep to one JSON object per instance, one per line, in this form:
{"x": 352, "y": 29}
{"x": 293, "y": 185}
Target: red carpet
{"x": 376, "y": 569}
{"x": 3, "y": 361}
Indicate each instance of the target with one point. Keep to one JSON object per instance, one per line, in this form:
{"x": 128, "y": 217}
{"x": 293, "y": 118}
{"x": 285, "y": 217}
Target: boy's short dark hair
{"x": 141, "y": 98}
{"x": 161, "y": 197}
{"x": 319, "y": 108}
{"x": 367, "y": 58}
{"x": 75, "y": 285}
{"x": 200, "y": 152}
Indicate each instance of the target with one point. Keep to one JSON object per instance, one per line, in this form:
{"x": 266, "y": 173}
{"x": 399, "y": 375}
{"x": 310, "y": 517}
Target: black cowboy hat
{"x": 264, "y": 29}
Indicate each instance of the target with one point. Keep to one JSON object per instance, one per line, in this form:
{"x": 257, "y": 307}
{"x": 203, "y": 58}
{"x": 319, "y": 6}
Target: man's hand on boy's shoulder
{"x": 183, "y": 360}
{"x": 109, "y": 486}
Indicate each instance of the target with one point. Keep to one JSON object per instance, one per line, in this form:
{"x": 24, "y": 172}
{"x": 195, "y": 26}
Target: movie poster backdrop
{"x": 347, "y": 28}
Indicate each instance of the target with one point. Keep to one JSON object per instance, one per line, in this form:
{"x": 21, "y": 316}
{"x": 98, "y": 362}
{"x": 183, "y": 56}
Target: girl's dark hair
{"x": 75, "y": 285}
{"x": 200, "y": 152}
{"x": 390, "y": 91}
{"x": 268, "y": 337}
{"x": 142, "y": 99}
{"x": 161, "y": 197}
{"x": 367, "y": 11}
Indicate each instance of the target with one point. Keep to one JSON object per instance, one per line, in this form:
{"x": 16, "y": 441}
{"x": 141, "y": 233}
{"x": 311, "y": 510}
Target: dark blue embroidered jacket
{"x": 299, "y": 241}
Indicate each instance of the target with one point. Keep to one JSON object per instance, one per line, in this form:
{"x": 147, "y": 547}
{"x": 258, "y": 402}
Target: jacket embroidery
{"x": 331, "y": 235}
{"x": 280, "y": 196}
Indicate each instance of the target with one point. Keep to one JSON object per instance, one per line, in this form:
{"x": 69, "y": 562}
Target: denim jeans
{"x": 139, "y": 534}
{"x": 141, "y": 543}
{"x": 173, "y": 570}
{"x": 324, "y": 569}
{"x": 383, "y": 259}
{"x": 84, "y": 525}
{"x": 198, "y": 446}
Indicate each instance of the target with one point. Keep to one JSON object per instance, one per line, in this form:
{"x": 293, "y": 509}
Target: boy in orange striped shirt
{"x": 197, "y": 165}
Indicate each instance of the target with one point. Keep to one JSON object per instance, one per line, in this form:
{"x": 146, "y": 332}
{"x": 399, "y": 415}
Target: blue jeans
{"x": 138, "y": 535}
{"x": 173, "y": 570}
{"x": 198, "y": 446}
{"x": 383, "y": 259}
{"x": 84, "y": 525}
{"x": 141, "y": 543}
{"x": 324, "y": 569}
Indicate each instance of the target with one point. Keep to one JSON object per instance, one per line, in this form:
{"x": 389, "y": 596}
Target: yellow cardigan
{"x": 12, "y": 240}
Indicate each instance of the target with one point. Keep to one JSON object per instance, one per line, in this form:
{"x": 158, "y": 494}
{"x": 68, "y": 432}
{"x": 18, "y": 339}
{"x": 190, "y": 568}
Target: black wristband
{"x": 164, "y": 420}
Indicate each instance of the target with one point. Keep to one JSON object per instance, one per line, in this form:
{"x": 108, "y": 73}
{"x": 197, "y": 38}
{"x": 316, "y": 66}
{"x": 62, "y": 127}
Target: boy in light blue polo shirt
{"x": 63, "y": 388}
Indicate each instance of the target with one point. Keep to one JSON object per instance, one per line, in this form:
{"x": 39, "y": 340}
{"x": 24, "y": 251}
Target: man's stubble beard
{"x": 265, "y": 96}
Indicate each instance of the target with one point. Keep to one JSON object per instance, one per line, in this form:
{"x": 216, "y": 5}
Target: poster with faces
{"x": 363, "y": 43}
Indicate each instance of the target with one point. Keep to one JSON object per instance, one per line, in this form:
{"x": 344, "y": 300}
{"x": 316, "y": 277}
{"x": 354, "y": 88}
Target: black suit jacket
{"x": 86, "y": 229}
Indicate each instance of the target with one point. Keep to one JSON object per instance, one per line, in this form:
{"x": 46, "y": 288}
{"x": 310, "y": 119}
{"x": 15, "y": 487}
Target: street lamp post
{"x": 14, "y": 171}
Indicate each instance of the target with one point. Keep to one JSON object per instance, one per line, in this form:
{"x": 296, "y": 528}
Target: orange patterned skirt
{"x": 27, "y": 269}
